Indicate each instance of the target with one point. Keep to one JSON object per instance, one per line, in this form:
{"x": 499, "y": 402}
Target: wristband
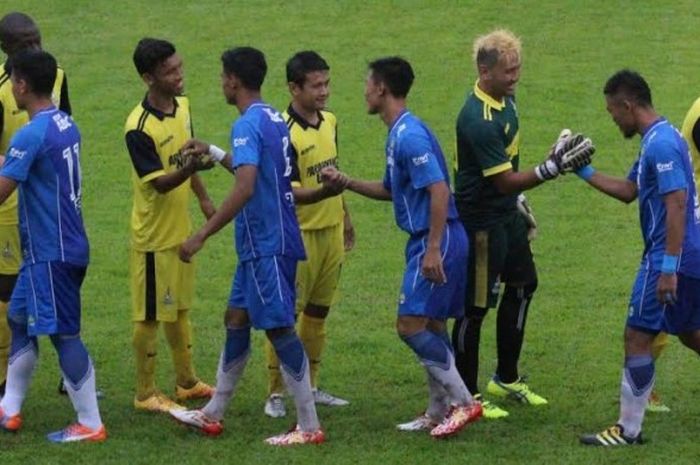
{"x": 216, "y": 153}
{"x": 669, "y": 264}
{"x": 586, "y": 172}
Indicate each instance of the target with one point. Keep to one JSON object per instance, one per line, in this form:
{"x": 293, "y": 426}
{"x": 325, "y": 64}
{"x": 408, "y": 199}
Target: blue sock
{"x": 237, "y": 344}
{"x": 21, "y": 341}
{"x": 290, "y": 351}
{"x": 446, "y": 339}
{"x": 639, "y": 370}
{"x": 429, "y": 347}
{"x": 73, "y": 358}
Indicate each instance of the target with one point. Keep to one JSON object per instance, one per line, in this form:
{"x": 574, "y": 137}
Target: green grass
{"x": 586, "y": 253}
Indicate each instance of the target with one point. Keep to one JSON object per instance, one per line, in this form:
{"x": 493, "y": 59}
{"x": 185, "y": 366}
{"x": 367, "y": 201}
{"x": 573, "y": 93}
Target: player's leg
{"x": 152, "y": 301}
{"x": 10, "y": 256}
{"x": 22, "y": 360}
{"x": 644, "y": 321}
{"x": 520, "y": 276}
{"x": 178, "y": 333}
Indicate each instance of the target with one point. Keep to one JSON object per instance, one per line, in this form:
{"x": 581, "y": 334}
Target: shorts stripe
{"x": 644, "y": 292}
{"x": 150, "y": 286}
{"x": 53, "y": 293}
{"x": 481, "y": 265}
{"x": 279, "y": 283}
{"x": 255, "y": 280}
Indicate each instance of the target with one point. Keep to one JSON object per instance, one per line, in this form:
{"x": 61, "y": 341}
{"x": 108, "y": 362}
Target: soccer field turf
{"x": 587, "y": 250}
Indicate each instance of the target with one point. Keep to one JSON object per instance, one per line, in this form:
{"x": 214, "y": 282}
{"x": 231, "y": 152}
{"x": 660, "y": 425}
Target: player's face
{"x": 228, "y": 87}
{"x": 314, "y": 93}
{"x": 504, "y": 75}
{"x": 168, "y": 76}
{"x": 373, "y": 94}
{"x": 621, "y": 112}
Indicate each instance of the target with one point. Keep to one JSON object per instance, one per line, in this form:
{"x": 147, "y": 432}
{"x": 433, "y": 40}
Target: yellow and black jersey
{"x": 154, "y": 140}
{"x": 12, "y": 118}
{"x": 691, "y": 134}
{"x": 313, "y": 148}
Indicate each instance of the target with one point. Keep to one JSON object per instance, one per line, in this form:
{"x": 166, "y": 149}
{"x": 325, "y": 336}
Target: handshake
{"x": 334, "y": 181}
{"x": 570, "y": 153}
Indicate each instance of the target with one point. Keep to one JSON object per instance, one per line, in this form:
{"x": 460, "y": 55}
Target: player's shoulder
{"x": 329, "y": 117}
{"x": 136, "y": 121}
{"x": 183, "y": 102}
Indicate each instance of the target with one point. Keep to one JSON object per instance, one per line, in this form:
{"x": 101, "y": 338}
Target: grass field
{"x": 586, "y": 253}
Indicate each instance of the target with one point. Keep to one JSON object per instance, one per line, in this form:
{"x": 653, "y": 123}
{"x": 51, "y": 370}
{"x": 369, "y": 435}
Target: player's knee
{"x": 7, "y": 284}
{"x": 408, "y": 325}
{"x": 316, "y": 311}
{"x": 277, "y": 333}
{"x": 235, "y": 318}
{"x": 523, "y": 292}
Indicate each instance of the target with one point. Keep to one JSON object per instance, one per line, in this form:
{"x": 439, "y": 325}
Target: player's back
{"x": 44, "y": 158}
{"x": 267, "y": 225}
{"x": 414, "y": 161}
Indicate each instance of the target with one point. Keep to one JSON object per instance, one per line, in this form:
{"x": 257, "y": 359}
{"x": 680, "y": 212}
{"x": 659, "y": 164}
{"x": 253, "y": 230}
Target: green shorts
{"x": 500, "y": 254}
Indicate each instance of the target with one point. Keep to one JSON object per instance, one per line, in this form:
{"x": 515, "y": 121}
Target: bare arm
{"x": 305, "y": 195}
{"x": 621, "y": 189}
{"x": 510, "y": 182}
{"x": 167, "y": 182}
{"x": 205, "y": 203}
{"x": 666, "y": 289}
{"x": 372, "y": 189}
{"x": 348, "y": 229}
{"x": 431, "y": 267}
{"x": 231, "y": 206}
{"x": 7, "y": 187}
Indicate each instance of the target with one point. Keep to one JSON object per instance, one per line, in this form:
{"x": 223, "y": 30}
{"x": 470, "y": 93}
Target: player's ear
{"x": 293, "y": 88}
{"x": 148, "y": 79}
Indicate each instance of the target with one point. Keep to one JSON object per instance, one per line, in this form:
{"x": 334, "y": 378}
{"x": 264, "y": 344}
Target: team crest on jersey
{"x": 275, "y": 116}
{"x": 7, "y": 251}
{"x": 168, "y": 299}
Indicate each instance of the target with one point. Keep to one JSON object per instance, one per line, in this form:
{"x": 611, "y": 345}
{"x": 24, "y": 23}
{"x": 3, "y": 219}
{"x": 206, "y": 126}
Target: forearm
{"x": 511, "y": 182}
{"x": 7, "y": 187}
{"x": 305, "y": 195}
{"x": 228, "y": 210}
{"x": 621, "y": 189}
{"x": 439, "y": 200}
{"x": 198, "y": 188}
{"x": 372, "y": 189}
{"x": 675, "y": 222}
{"x": 166, "y": 183}
{"x": 227, "y": 162}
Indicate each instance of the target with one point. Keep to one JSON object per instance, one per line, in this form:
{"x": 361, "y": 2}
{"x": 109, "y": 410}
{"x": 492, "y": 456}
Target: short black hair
{"x": 631, "y": 84}
{"x": 248, "y": 64}
{"x": 303, "y": 63}
{"x": 395, "y": 72}
{"x": 150, "y": 53}
{"x": 37, "y": 68}
{"x": 13, "y": 26}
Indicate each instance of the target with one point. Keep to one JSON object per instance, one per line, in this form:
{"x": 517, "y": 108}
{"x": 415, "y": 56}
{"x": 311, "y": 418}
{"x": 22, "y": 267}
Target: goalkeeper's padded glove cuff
{"x": 216, "y": 153}
{"x": 585, "y": 173}
{"x": 546, "y": 170}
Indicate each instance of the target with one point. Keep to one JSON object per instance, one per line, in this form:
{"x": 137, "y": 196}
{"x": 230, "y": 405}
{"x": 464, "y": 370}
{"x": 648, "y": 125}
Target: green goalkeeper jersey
{"x": 488, "y": 143}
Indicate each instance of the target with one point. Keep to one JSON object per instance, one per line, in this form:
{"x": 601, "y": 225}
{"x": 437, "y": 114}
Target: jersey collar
{"x": 658, "y": 121}
{"x": 157, "y": 113}
{"x": 297, "y": 118}
{"x": 403, "y": 113}
{"x": 487, "y": 99}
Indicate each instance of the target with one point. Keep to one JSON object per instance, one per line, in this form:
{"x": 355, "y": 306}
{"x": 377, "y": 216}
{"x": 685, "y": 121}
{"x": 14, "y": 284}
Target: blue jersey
{"x": 414, "y": 161}
{"x": 44, "y": 159}
{"x": 267, "y": 225}
{"x": 664, "y": 166}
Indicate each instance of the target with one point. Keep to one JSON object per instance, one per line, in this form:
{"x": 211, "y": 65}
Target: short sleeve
{"x": 386, "y": 182}
{"x": 668, "y": 166}
{"x": 245, "y": 144}
{"x": 488, "y": 147}
{"x": 144, "y": 156}
{"x": 633, "y": 173}
{"x": 418, "y": 155}
{"x": 21, "y": 153}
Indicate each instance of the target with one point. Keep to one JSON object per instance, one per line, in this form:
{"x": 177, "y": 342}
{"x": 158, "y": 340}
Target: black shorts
{"x": 500, "y": 254}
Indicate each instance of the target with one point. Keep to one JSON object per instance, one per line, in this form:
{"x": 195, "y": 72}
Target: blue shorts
{"x": 645, "y": 312}
{"x": 47, "y": 298}
{"x": 684, "y": 315}
{"x": 264, "y": 287}
{"x": 420, "y": 297}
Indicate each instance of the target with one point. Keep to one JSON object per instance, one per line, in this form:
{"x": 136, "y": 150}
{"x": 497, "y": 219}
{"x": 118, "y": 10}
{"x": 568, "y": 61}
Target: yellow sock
{"x": 179, "y": 337}
{"x": 5, "y": 337}
{"x": 145, "y": 343}
{"x": 274, "y": 377}
{"x": 312, "y": 332}
{"x": 659, "y": 344}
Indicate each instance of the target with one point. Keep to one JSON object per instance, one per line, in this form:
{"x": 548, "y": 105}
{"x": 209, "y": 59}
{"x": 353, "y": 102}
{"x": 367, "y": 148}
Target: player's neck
{"x": 310, "y": 116}
{"x": 37, "y": 104}
{"x": 392, "y": 109}
{"x": 488, "y": 90}
{"x": 246, "y": 98}
{"x": 645, "y": 118}
{"x": 162, "y": 102}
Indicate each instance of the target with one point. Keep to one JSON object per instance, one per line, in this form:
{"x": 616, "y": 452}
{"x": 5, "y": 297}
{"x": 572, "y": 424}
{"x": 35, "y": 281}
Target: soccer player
{"x": 268, "y": 245}
{"x": 17, "y": 32}
{"x": 325, "y": 222}
{"x": 487, "y": 185}
{"x": 667, "y": 288}
{"x": 417, "y": 182}
{"x": 43, "y": 160}
{"x": 162, "y": 286}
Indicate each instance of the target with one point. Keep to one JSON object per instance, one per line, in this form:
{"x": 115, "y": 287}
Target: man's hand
{"x": 431, "y": 268}
{"x": 549, "y": 168}
{"x": 333, "y": 179}
{"x": 190, "y": 247}
{"x": 574, "y": 153}
{"x": 195, "y": 147}
{"x": 525, "y": 210}
{"x": 348, "y": 233}
{"x": 666, "y": 288}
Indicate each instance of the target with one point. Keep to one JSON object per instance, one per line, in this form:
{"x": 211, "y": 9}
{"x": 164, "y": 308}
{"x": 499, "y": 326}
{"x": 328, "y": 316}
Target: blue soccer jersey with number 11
{"x": 44, "y": 159}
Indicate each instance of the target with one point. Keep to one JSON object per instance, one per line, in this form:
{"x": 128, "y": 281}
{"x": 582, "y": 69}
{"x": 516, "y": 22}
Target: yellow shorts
{"x": 10, "y": 250}
{"x": 161, "y": 284}
{"x": 318, "y": 276}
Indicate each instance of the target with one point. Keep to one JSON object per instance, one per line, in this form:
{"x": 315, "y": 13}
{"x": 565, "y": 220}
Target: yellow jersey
{"x": 692, "y": 126}
{"x": 153, "y": 139}
{"x": 11, "y": 119}
{"x": 313, "y": 148}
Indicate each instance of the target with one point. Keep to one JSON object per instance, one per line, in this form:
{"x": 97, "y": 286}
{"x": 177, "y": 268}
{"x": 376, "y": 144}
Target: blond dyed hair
{"x": 489, "y": 48}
